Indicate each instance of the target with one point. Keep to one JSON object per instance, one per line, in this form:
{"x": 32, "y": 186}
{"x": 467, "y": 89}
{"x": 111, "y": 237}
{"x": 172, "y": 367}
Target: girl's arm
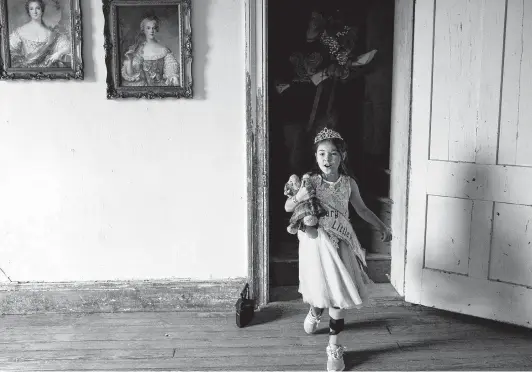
{"x": 366, "y": 214}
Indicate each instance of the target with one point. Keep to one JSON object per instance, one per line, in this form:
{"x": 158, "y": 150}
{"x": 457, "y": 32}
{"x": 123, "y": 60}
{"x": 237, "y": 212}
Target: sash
{"x": 336, "y": 224}
{"x": 38, "y": 57}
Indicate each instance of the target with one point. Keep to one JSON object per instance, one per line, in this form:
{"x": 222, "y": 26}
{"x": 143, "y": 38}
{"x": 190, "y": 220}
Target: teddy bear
{"x": 306, "y": 213}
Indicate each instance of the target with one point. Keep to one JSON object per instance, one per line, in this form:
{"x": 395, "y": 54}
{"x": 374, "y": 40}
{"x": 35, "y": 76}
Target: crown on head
{"x": 326, "y": 134}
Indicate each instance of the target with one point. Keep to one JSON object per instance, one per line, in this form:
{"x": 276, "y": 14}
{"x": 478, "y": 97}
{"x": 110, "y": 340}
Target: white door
{"x": 469, "y": 229}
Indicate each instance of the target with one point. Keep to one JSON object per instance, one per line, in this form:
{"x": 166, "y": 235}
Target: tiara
{"x": 326, "y": 134}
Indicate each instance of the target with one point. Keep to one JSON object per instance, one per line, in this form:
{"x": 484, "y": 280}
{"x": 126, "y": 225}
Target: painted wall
{"x": 92, "y": 189}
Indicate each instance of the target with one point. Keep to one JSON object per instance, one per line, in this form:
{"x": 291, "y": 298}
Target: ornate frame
{"x": 114, "y": 91}
{"x": 76, "y": 70}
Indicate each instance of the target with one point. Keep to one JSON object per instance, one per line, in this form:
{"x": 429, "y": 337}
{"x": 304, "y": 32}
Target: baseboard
{"x": 119, "y": 296}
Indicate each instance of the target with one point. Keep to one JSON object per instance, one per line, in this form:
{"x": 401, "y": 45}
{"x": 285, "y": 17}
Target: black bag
{"x": 245, "y": 308}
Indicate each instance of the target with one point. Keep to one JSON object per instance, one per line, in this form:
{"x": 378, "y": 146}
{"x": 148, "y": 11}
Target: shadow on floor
{"x": 488, "y": 324}
{"x": 354, "y": 359}
{"x": 267, "y": 315}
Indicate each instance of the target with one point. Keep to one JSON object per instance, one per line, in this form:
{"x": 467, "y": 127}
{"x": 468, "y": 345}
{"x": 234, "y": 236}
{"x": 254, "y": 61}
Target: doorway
{"x": 258, "y": 143}
{"x": 358, "y": 104}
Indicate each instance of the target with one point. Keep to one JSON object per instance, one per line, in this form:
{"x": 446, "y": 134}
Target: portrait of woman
{"x": 36, "y": 44}
{"x": 148, "y": 48}
{"x": 148, "y": 62}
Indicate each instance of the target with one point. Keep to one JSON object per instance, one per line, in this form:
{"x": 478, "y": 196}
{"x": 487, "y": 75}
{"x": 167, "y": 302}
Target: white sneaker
{"x": 311, "y": 322}
{"x": 335, "y": 358}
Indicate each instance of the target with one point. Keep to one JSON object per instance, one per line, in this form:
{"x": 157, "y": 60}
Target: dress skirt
{"x": 330, "y": 276}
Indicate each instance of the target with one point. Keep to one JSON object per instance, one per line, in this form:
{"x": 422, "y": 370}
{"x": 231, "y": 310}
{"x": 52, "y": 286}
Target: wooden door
{"x": 469, "y": 228}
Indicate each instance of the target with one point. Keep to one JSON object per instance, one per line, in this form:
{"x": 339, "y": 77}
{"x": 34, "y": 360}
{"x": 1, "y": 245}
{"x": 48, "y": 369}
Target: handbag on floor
{"x": 245, "y": 308}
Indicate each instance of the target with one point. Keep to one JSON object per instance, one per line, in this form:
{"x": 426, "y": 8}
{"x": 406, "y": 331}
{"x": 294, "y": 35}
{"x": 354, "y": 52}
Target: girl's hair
{"x": 341, "y": 146}
{"x": 40, "y": 2}
{"x": 140, "y": 39}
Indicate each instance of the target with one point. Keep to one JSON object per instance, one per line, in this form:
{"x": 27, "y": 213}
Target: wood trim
{"x": 119, "y": 296}
{"x": 400, "y": 136}
{"x": 421, "y": 121}
{"x": 257, "y": 149}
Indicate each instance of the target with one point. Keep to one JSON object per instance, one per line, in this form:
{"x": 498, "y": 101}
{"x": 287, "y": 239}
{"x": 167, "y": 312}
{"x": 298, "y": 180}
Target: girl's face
{"x": 35, "y": 10}
{"x": 150, "y": 29}
{"x": 328, "y": 158}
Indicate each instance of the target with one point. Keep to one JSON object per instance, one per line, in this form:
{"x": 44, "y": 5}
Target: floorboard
{"x": 389, "y": 335}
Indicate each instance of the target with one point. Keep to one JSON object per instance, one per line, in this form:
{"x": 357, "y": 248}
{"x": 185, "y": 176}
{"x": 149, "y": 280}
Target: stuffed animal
{"x": 306, "y": 213}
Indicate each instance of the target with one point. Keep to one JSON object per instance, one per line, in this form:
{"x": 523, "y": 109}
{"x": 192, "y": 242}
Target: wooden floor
{"x": 388, "y": 335}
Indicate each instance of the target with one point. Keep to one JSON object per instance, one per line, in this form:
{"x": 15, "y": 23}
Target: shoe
{"x": 335, "y": 358}
{"x": 311, "y": 322}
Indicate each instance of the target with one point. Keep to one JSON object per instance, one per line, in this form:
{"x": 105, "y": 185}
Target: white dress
{"x": 331, "y": 270}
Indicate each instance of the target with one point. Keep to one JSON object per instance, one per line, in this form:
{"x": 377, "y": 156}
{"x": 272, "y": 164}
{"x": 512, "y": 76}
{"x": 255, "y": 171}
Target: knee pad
{"x": 336, "y": 326}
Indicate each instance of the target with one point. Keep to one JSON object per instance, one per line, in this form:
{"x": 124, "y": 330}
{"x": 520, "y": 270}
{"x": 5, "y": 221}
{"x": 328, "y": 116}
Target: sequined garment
{"x": 333, "y": 194}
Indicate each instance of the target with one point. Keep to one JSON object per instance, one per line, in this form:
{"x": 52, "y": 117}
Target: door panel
{"x": 447, "y": 245}
{"x": 468, "y": 238}
{"x": 511, "y": 249}
{"x": 463, "y": 48}
{"x": 515, "y": 146}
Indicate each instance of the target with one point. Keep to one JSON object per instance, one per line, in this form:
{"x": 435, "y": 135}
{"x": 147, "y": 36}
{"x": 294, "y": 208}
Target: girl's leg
{"x": 317, "y": 311}
{"x": 335, "y": 351}
{"x": 336, "y": 325}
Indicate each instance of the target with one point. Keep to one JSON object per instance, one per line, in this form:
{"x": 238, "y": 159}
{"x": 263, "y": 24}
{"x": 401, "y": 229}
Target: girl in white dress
{"x": 331, "y": 260}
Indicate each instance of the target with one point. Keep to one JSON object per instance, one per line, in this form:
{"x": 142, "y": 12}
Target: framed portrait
{"x": 40, "y": 39}
{"x": 148, "y": 47}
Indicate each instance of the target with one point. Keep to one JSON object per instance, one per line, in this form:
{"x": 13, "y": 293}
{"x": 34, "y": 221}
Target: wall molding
{"x": 119, "y": 296}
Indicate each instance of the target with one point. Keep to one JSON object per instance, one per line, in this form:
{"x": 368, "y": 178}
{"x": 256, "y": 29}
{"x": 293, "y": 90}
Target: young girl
{"x": 331, "y": 275}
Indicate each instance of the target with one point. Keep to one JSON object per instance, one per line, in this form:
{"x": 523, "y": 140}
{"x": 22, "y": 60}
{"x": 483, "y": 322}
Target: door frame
{"x": 257, "y": 143}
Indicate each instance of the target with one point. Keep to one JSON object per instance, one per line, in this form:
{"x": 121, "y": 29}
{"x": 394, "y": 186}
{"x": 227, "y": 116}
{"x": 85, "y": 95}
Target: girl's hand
{"x": 386, "y": 234}
{"x": 305, "y": 194}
